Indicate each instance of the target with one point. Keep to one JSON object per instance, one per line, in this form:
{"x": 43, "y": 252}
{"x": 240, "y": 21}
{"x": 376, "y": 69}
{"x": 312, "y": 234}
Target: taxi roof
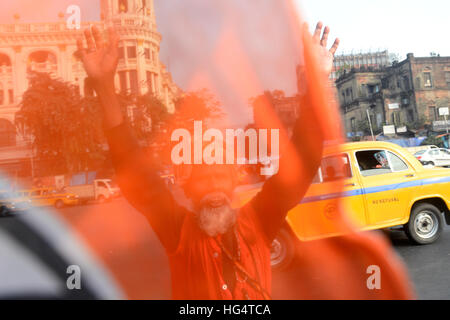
{"x": 349, "y": 146}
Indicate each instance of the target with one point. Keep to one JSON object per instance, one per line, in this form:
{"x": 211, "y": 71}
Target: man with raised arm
{"x": 215, "y": 251}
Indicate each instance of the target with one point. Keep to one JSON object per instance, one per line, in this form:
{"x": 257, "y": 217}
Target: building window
{"x": 406, "y": 82}
{"x": 123, "y": 6}
{"x": 353, "y": 124}
{"x": 42, "y": 61}
{"x": 123, "y": 81}
{"x": 11, "y": 96}
{"x": 154, "y": 57}
{"x": 147, "y": 54}
{"x": 131, "y": 52}
{"x": 2, "y": 97}
{"x": 121, "y": 53}
{"x": 7, "y": 134}
{"x": 149, "y": 81}
{"x": 5, "y": 60}
{"x": 432, "y": 113}
{"x": 410, "y": 115}
{"x": 134, "y": 82}
{"x": 447, "y": 79}
{"x": 349, "y": 93}
{"x": 156, "y": 83}
{"x": 427, "y": 79}
{"x": 396, "y": 118}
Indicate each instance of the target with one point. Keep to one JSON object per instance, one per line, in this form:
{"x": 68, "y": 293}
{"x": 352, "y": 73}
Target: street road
{"x": 125, "y": 243}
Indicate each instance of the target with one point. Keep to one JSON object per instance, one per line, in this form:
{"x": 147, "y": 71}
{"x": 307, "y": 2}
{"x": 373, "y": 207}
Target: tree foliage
{"x": 434, "y": 141}
{"x": 65, "y": 127}
{"x": 199, "y": 105}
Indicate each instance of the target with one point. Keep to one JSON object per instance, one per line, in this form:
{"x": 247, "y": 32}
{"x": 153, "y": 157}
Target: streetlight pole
{"x": 370, "y": 124}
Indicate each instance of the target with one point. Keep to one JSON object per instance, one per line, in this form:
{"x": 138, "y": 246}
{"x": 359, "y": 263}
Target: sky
{"x": 401, "y": 26}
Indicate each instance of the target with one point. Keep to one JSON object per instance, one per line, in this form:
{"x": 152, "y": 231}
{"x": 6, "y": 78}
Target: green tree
{"x": 432, "y": 140}
{"x": 65, "y": 127}
{"x": 145, "y": 114}
{"x": 417, "y": 124}
{"x": 199, "y": 105}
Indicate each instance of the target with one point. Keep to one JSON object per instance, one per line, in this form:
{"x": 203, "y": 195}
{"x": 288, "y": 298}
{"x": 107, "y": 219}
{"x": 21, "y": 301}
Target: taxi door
{"x": 316, "y": 215}
{"x": 388, "y": 183}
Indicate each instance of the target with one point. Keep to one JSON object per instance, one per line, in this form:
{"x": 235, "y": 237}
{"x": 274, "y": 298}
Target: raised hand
{"x": 100, "y": 58}
{"x": 321, "y": 40}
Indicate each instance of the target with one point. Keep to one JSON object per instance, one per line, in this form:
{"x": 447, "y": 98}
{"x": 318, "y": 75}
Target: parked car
{"x": 100, "y": 190}
{"x": 49, "y": 197}
{"x": 11, "y": 203}
{"x": 384, "y": 186}
{"x": 434, "y": 157}
{"x": 413, "y": 150}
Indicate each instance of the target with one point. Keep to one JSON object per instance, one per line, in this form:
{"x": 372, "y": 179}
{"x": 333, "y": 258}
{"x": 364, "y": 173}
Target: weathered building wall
{"x": 431, "y": 85}
{"x": 404, "y": 94}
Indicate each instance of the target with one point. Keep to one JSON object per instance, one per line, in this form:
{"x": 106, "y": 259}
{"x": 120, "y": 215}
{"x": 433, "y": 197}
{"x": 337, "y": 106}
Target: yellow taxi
{"x": 49, "y": 197}
{"x": 378, "y": 185}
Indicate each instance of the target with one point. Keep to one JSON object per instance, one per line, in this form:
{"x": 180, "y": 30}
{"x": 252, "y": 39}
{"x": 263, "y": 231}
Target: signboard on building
{"x": 388, "y": 130}
{"x": 443, "y": 111}
{"x": 441, "y": 125}
{"x": 393, "y": 106}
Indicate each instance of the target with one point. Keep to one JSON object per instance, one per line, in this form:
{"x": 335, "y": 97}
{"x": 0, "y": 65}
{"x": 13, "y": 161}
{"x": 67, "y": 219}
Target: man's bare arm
{"x": 137, "y": 175}
{"x": 301, "y": 157}
{"x": 100, "y": 61}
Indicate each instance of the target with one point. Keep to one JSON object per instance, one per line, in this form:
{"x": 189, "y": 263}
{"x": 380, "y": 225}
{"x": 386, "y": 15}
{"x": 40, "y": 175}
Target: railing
{"x": 39, "y": 27}
{"x": 5, "y": 69}
{"x": 46, "y": 67}
{"x": 61, "y": 26}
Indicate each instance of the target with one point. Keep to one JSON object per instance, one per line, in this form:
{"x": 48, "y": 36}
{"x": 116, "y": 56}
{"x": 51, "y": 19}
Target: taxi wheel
{"x": 425, "y": 224}
{"x": 59, "y": 204}
{"x": 282, "y": 250}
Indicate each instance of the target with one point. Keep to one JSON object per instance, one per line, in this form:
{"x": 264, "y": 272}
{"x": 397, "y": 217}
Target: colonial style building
{"x": 346, "y": 62}
{"x": 286, "y": 108}
{"x": 50, "y": 47}
{"x": 407, "y": 92}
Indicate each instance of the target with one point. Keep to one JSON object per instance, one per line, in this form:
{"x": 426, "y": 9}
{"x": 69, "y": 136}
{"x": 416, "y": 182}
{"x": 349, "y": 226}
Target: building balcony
{"x": 44, "y": 67}
{"x": 38, "y": 27}
{"x": 5, "y": 70}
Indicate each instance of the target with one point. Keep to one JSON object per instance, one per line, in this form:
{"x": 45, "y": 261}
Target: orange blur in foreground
{"x": 231, "y": 68}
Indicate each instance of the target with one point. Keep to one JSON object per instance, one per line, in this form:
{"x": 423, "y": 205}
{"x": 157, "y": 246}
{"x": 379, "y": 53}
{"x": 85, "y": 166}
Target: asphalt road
{"x": 126, "y": 244}
{"x": 429, "y": 266}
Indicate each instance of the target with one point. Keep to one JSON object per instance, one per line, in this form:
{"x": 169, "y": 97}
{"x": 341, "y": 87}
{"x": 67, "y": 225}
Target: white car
{"x": 435, "y": 157}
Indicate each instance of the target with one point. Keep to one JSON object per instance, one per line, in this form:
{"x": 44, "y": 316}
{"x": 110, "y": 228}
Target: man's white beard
{"x": 215, "y": 215}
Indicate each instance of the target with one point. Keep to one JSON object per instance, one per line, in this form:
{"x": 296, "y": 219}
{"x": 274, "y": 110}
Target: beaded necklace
{"x": 239, "y": 268}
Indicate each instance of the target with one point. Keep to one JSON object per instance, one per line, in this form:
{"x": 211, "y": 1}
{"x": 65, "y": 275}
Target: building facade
{"x": 50, "y": 48}
{"x": 370, "y": 60}
{"x": 286, "y": 109}
{"x": 407, "y": 93}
